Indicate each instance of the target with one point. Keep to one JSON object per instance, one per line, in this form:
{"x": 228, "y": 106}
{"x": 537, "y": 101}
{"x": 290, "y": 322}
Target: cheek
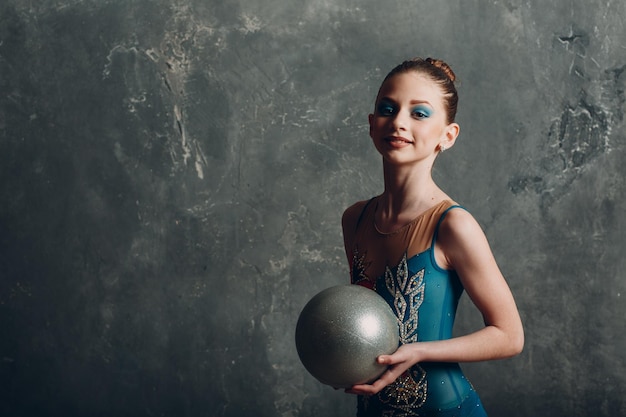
{"x": 375, "y": 127}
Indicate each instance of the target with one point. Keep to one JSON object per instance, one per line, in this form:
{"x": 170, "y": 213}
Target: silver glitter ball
{"x": 341, "y": 331}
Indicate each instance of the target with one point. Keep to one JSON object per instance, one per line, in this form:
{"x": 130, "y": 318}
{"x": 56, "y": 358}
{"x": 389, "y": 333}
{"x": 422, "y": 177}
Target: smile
{"x": 398, "y": 140}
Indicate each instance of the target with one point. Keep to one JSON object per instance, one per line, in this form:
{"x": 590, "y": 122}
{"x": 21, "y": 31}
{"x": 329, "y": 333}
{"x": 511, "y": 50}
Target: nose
{"x": 399, "y": 121}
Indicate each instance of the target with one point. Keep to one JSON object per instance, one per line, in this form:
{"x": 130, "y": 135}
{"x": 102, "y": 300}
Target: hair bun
{"x": 445, "y": 68}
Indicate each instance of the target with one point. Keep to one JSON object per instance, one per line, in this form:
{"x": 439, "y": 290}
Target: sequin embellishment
{"x": 409, "y": 391}
{"x": 408, "y": 295}
{"x": 359, "y": 266}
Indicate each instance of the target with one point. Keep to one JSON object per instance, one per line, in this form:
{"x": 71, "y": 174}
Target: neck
{"x": 405, "y": 184}
{"x": 409, "y": 191}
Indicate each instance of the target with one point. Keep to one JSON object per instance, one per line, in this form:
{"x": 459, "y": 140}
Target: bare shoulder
{"x": 351, "y": 215}
{"x": 349, "y": 222}
{"x": 459, "y": 223}
{"x": 462, "y": 240}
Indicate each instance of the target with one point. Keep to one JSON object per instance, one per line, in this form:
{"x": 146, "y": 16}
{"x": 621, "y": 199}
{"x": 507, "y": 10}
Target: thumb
{"x": 385, "y": 360}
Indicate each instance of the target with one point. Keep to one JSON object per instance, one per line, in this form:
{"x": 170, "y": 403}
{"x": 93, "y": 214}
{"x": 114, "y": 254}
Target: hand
{"x": 398, "y": 363}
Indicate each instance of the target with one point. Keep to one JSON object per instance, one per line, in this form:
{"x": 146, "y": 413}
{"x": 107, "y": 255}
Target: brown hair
{"x": 438, "y": 71}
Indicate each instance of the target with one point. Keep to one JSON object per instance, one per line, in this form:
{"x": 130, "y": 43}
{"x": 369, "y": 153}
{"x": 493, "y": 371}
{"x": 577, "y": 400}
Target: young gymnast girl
{"x": 417, "y": 248}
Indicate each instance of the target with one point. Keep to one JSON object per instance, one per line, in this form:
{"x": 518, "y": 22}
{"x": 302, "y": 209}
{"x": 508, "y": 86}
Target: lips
{"x": 398, "y": 140}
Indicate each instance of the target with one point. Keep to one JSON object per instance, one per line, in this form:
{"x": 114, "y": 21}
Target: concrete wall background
{"x": 173, "y": 173}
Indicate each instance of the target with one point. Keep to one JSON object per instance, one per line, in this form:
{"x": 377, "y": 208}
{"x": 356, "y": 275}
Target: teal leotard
{"x": 401, "y": 267}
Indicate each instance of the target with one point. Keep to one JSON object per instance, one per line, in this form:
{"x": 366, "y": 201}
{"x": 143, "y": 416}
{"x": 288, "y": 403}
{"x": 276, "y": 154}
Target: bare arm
{"x": 462, "y": 246}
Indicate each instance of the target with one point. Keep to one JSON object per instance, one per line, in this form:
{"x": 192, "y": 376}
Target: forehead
{"x": 411, "y": 86}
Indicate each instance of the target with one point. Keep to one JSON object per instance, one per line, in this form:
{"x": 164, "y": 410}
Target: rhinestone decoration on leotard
{"x": 408, "y": 294}
{"x": 406, "y": 394}
{"x": 409, "y": 391}
{"x": 359, "y": 265}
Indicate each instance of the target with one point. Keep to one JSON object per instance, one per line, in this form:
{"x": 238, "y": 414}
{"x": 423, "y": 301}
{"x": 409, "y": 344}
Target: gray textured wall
{"x": 172, "y": 176}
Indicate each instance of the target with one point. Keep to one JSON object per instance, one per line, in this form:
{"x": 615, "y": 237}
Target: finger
{"x": 362, "y": 389}
{"x": 385, "y": 379}
{"x": 383, "y": 359}
{"x": 393, "y": 359}
{"x": 370, "y": 389}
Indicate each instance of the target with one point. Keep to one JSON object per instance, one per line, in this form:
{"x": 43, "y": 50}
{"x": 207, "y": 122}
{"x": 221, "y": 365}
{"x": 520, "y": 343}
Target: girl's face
{"x": 409, "y": 121}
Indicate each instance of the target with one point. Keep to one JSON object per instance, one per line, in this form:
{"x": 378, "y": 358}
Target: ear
{"x": 370, "y": 118}
{"x": 450, "y": 135}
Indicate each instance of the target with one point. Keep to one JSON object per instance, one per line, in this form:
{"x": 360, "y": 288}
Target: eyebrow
{"x": 410, "y": 102}
{"x": 420, "y": 102}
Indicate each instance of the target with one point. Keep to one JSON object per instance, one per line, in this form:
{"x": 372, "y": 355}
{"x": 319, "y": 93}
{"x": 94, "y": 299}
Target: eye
{"x": 420, "y": 112}
{"x": 385, "y": 109}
